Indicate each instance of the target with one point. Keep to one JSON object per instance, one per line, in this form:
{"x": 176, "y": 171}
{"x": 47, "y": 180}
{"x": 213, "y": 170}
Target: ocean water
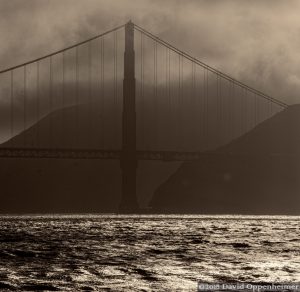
{"x": 145, "y": 253}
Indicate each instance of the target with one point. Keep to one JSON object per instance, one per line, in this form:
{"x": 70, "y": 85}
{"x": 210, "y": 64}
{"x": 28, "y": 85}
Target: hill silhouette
{"x": 258, "y": 173}
{"x": 71, "y": 185}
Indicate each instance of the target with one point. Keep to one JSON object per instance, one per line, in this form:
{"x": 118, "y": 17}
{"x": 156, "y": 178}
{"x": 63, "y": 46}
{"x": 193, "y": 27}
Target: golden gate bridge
{"x": 128, "y": 95}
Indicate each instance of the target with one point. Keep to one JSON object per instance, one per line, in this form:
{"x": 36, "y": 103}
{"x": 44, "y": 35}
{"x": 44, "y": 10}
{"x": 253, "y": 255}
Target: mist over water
{"x": 145, "y": 253}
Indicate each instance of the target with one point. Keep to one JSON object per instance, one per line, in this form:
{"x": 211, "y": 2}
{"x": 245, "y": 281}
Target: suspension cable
{"x": 211, "y": 69}
{"x": 62, "y": 50}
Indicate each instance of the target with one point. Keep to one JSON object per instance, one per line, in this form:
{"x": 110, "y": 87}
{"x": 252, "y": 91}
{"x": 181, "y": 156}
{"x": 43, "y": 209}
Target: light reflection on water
{"x": 149, "y": 252}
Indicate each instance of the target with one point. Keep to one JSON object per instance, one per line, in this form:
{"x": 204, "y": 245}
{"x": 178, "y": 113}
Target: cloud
{"x": 255, "y": 41}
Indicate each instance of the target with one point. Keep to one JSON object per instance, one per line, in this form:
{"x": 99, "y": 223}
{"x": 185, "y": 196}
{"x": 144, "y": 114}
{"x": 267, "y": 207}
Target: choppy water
{"x": 145, "y": 253}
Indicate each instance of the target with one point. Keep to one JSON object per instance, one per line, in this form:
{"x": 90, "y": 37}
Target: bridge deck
{"x": 112, "y": 154}
{"x": 94, "y": 154}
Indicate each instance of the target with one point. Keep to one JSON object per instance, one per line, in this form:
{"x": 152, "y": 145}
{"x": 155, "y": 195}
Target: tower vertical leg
{"x": 128, "y": 161}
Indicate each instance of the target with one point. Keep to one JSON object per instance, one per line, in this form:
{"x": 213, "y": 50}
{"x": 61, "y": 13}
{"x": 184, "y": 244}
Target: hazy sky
{"x": 256, "y": 41}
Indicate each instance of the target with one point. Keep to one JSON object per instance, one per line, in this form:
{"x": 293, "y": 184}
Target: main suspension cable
{"x": 211, "y": 69}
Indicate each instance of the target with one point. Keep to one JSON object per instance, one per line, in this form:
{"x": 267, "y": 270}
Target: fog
{"x": 254, "y": 41}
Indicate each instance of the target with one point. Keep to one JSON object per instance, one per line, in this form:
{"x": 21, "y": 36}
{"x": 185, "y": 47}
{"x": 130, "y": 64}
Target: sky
{"x": 255, "y": 41}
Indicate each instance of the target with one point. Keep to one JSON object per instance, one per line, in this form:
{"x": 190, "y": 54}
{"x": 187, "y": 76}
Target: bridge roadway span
{"x": 57, "y": 153}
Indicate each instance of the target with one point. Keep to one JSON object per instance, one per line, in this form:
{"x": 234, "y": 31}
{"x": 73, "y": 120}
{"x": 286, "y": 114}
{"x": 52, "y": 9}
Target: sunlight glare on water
{"x": 145, "y": 252}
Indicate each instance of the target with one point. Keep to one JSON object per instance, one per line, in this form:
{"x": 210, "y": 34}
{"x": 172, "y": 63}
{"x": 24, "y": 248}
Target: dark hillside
{"x": 66, "y": 185}
{"x": 258, "y": 173}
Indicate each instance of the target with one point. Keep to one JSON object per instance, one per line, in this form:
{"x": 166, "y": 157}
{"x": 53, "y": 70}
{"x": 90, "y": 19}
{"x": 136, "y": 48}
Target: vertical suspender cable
{"x": 255, "y": 110}
{"x": 114, "y": 122}
{"x": 142, "y": 93}
{"x": 258, "y": 110}
{"x": 90, "y": 93}
{"x": 101, "y": 98}
{"x": 63, "y": 81}
{"x": 182, "y": 103}
{"x": 193, "y": 106}
{"x": 179, "y": 134}
{"x": 221, "y": 109}
{"x": 239, "y": 103}
{"x": 272, "y": 108}
{"x": 193, "y": 78}
{"x": 169, "y": 95}
{"x": 63, "y": 110}
{"x": 235, "y": 107}
{"x": 242, "y": 113}
{"x": 197, "y": 97}
{"x": 230, "y": 111}
{"x": 207, "y": 111}
{"x": 12, "y": 106}
{"x": 166, "y": 108}
{"x": 102, "y": 91}
{"x": 218, "y": 107}
{"x": 155, "y": 120}
{"x": 245, "y": 111}
{"x": 227, "y": 111}
{"x": 253, "y": 115}
{"x": 90, "y": 73}
{"x": 217, "y": 99}
{"x": 51, "y": 104}
{"x": 233, "y": 110}
{"x": 203, "y": 106}
{"x": 37, "y": 102}
{"x": 24, "y": 105}
{"x": 77, "y": 98}
{"x": 117, "y": 94}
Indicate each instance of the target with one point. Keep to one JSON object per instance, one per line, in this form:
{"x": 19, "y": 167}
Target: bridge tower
{"x": 128, "y": 160}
